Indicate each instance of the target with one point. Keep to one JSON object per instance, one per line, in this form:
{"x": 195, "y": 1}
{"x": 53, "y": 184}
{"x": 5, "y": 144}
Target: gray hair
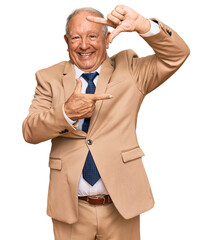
{"x": 86, "y": 9}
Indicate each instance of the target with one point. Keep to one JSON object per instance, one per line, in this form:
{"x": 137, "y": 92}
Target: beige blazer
{"x": 112, "y": 130}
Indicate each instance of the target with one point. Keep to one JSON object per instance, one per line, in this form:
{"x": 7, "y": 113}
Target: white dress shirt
{"x": 85, "y": 189}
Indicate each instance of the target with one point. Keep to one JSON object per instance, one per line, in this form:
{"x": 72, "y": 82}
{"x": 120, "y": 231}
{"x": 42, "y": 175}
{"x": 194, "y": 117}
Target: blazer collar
{"x": 69, "y": 83}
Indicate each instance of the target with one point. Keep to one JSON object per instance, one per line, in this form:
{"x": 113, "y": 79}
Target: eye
{"x": 92, "y": 36}
{"x": 75, "y": 38}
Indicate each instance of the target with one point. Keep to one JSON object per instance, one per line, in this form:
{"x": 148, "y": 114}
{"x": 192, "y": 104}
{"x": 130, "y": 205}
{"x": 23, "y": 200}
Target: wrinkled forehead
{"x": 79, "y": 23}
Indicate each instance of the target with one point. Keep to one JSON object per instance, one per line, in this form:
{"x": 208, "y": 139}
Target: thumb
{"x": 78, "y": 87}
{"x": 114, "y": 33}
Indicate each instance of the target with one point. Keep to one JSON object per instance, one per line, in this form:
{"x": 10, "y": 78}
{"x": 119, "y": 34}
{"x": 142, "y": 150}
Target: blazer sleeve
{"x": 44, "y": 122}
{"x": 170, "y": 53}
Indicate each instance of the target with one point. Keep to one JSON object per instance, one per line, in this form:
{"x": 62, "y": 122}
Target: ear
{"x": 107, "y": 39}
{"x": 66, "y": 39}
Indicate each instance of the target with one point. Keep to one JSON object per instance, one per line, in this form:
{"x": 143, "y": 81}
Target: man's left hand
{"x": 123, "y": 19}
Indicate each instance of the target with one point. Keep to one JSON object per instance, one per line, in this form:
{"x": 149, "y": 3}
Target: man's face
{"x": 87, "y": 42}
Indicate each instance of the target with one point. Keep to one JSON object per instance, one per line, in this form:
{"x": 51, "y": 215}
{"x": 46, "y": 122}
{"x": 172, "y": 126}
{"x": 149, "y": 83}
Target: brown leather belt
{"x": 97, "y": 200}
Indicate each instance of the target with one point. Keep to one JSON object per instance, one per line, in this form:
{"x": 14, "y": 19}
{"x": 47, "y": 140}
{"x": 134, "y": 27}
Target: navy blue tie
{"x": 90, "y": 172}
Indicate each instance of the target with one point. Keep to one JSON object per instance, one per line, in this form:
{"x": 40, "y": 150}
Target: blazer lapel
{"x": 104, "y": 77}
{"x": 69, "y": 83}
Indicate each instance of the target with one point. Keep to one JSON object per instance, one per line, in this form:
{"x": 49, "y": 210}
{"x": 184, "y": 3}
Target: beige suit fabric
{"x": 102, "y": 222}
{"x": 112, "y": 129}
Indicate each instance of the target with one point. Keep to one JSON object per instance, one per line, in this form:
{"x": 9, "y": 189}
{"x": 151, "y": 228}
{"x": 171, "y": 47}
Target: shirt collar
{"x": 79, "y": 72}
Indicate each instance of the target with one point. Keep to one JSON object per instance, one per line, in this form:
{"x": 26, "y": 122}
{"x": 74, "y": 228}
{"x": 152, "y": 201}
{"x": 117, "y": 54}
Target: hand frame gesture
{"x": 123, "y": 19}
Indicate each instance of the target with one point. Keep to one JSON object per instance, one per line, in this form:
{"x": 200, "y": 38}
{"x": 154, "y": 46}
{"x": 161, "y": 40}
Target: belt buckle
{"x": 104, "y": 200}
{"x": 97, "y": 197}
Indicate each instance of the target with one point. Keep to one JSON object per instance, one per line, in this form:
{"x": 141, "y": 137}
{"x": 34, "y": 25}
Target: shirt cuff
{"x": 154, "y": 29}
{"x": 67, "y": 118}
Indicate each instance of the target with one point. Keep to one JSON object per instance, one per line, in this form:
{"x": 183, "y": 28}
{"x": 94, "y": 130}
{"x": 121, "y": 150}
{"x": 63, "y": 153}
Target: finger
{"x": 91, "y": 111}
{"x": 117, "y": 15}
{"x": 114, "y": 33}
{"x": 107, "y": 40}
{"x": 113, "y": 19}
{"x": 78, "y": 87}
{"x": 97, "y": 97}
{"x": 120, "y": 9}
{"x": 99, "y": 20}
{"x": 89, "y": 114}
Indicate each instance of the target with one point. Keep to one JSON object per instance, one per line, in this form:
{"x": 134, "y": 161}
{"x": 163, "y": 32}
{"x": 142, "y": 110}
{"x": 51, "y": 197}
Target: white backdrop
{"x": 174, "y": 124}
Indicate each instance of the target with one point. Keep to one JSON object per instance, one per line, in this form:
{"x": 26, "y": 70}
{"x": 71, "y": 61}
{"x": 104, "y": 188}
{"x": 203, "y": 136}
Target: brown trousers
{"x": 98, "y": 222}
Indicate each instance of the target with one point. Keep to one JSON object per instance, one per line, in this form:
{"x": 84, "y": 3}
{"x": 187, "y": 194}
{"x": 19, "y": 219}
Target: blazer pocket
{"x": 55, "y": 163}
{"x": 132, "y": 154}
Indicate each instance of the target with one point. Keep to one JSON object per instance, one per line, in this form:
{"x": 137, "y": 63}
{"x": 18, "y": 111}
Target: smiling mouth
{"x": 85, "y": 54}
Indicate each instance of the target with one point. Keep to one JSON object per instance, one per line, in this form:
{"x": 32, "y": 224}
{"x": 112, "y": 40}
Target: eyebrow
{"x": 91, "y": 32}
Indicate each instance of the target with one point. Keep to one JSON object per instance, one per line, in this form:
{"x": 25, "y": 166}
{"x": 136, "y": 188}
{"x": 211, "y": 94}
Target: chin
{"x": 86, "y": 67}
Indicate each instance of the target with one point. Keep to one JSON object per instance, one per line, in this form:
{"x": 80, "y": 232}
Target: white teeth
{"x": 85, "y": 54}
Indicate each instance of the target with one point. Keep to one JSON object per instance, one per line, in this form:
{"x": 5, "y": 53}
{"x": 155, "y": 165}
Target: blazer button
{"x": 89, "y": 142}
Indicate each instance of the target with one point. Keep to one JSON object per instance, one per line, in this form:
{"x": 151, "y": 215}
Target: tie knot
{"x": 89, "y": 76}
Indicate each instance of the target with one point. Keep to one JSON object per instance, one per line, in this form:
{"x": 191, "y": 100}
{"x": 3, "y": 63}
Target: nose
{"x": 84, "y": 44}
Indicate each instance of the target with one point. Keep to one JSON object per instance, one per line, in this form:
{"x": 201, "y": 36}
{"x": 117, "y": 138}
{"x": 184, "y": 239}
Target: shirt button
{"x": 89, "y": 142}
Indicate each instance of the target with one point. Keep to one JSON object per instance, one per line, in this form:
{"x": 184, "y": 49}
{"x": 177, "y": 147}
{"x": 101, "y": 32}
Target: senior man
{"x": 88, "y": 107}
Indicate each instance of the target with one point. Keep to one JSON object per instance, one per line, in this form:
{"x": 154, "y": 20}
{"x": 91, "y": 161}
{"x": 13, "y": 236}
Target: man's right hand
{"x": 82, "y": 105}
{"x": 123, "y": 19}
